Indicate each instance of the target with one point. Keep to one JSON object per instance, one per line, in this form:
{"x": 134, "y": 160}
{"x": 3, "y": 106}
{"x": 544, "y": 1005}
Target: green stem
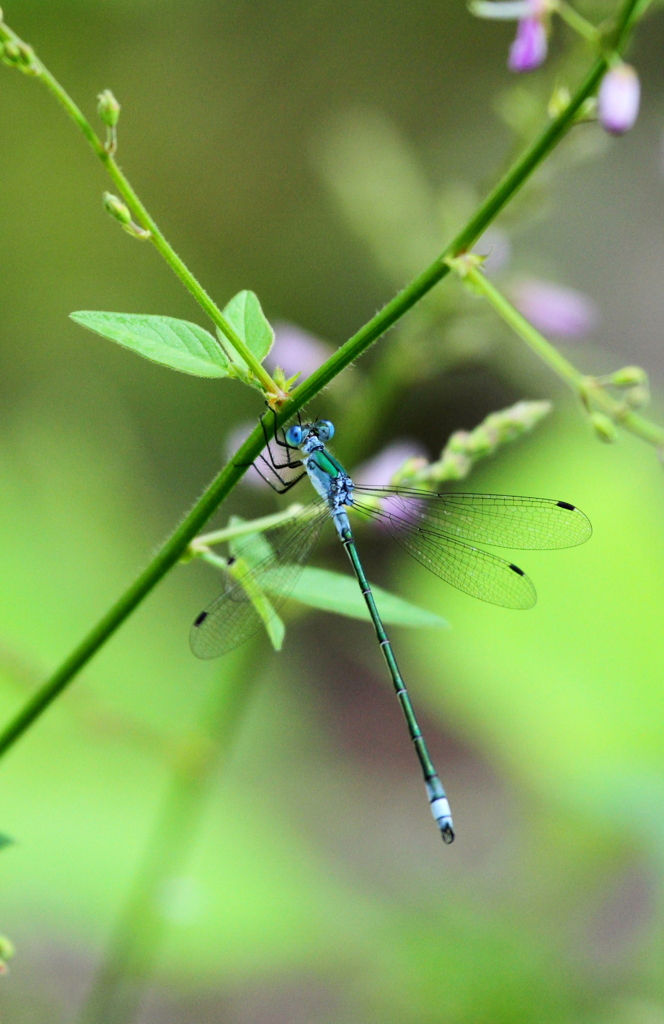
{"x": 222, "y": 485}
{"x": 130, "y": 959}
{"x": 242, "y": 529}
{"x": 578, "y": 23}
{"x": 577, "y": 381}
{"x": 143, "y": 217}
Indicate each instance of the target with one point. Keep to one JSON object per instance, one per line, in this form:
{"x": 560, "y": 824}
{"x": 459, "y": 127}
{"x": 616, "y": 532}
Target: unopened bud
{"x": 11, "y": 53}
{"x": 559, "y": 102}
{"x": 604, "y": 427}
{"x": 108, "y": 108}
{"x": 618, "y": 100}
{"x": 116, "y": 208}
{"x": 529, "y": 48}
{"x": 628, "y": 377}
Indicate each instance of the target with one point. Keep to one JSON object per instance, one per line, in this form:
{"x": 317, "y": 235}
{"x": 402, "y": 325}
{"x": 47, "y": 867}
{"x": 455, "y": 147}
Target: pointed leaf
{"x": 162, "y": 339}
{"x": 334, "y": 592}
{"x": 241, "y": 571}
{"x": 245, "y": 315}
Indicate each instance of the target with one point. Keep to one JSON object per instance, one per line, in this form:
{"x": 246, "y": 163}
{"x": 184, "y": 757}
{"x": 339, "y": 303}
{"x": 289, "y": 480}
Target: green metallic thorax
{"x": 326, "y": 463}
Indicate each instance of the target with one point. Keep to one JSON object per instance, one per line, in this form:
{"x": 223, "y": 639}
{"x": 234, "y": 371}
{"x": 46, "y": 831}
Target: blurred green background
{"x": 319, "y": 154}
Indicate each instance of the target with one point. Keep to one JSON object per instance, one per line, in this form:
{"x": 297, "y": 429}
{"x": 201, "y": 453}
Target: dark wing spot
{"x": 564, "y": 504}
{"x": 201, "y": 618}
{"x": 516, "y": 569}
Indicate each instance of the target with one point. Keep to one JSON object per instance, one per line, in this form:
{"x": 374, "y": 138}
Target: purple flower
{"x": 618, "y": 100}
{"x": 529, "y": 48}
{"x": 553, "y": 309}
{"x": 296, "y": 350}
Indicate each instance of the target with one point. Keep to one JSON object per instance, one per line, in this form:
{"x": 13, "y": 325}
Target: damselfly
{"x": 438, "y": 529}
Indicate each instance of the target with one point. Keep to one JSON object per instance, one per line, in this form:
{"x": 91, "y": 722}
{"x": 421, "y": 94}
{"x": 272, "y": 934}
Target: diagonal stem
{"x": 222, "y": 485}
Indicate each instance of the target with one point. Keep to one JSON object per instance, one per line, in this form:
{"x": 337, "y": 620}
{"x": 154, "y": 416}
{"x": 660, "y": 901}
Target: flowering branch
{"x": 604, "y": 410}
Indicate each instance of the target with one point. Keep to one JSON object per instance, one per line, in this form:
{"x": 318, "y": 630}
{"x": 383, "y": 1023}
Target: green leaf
{"x": 241, "y": 571}
{"x": 334, "y": 592}
{"x": 245, "y": 315}
{"x": 163, "y": 339}
{"x": 5, "y": 841}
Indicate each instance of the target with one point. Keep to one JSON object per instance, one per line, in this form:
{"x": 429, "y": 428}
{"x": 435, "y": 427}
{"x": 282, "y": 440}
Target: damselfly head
{"x": 299, "y": 433}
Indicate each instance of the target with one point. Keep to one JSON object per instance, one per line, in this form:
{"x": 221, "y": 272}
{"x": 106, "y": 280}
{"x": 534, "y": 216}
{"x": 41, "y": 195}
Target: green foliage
{"x": 248, "y": 551}
{"x": 334, "y": 592}
{"x": 5, "y": 841}
{"x": 245, "y": 315}
{"x": 177, "y": 344}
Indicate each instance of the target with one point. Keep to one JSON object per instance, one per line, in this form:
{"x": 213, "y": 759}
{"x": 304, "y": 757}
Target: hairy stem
{"x": 222, "y": 485}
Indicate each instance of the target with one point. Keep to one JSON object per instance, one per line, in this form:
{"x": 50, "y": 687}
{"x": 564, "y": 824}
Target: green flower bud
{"x": 108, "y": 108}
{"x": 604, "y": 427}
{"x": 10, "y": 53}
{"x": 628, "y": 377}
{"x": 559, "y": 102}
{"x": 116, "y": 208}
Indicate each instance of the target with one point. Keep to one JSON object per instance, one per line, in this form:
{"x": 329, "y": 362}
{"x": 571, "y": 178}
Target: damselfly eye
{"x": 325, "y": 430}
{"x": 294, "y": 436}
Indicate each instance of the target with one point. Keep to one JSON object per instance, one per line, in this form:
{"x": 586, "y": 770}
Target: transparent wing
{"x": 478, "y": 573}
{"x": 504, "y": 520}
{"x": 232, "y": 618}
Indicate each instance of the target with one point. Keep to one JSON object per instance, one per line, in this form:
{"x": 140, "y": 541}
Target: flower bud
{"x": 529, "y": 48}
{"x": 629, "y": 377}
{"x": 116, "y": 208}
{"x": 559, "y": 102}
{"x": 10, "y": 53}
{"x": 108, "y": 108}
{"x": 618, "y": 100}
{"x": 604, "y": 427}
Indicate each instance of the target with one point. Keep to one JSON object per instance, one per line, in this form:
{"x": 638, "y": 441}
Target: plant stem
{"x": 241, "y": 529}
{"x": 577, "y": 381}
{"x": 119, "y": 986}
{"x": 222, "y": 485}
{"x": 578, "y": 23}
{"x": 143, "y": 217}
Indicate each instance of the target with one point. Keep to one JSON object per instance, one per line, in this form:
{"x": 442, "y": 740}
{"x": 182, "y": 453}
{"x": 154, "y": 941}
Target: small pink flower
{"x": 618, "y": 100}
{"x": 555, "y": 310}
{"x": 529, "y": 48}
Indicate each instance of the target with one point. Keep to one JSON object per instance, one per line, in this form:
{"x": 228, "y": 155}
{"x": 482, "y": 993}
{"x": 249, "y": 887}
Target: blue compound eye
{"x": 294, "y": 436}
{"x": 325, "y": 430}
